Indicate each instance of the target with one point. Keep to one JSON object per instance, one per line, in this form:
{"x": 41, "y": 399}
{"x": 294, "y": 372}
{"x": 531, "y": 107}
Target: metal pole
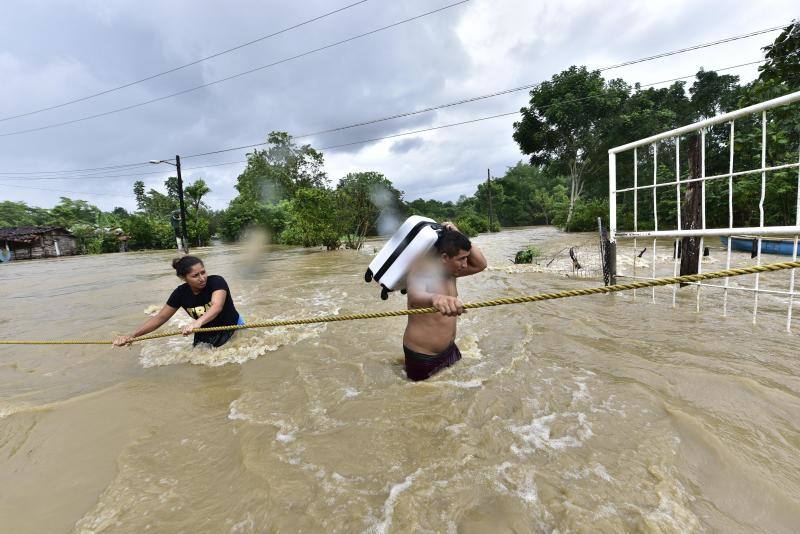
{"x": 612, "y": 217}
{"x": 489, "y": 187}
{"x": 185, "y": 234}
{"x": 612, "y": 196}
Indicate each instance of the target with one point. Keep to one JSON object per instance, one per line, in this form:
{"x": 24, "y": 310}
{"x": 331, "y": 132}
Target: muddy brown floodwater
{"x": 593, "y": 414}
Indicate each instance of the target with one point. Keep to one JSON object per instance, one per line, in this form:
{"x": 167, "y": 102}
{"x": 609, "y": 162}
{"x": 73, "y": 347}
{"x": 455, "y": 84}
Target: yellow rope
{"x": 418, "y": 311}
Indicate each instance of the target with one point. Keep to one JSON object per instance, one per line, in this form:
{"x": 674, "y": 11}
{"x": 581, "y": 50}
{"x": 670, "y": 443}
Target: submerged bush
{"x": 527, "y": 255}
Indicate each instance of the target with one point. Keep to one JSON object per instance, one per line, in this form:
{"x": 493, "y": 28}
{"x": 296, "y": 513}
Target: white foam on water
{"x": 608, "y": 406}
{"x": 584, "y": 429}
{"x": 388, "y": 506}
{"x": 285, "y": 437}
{"x": 245, "y": 525}
{"x": 235, "y": 414}
{"x": 597, "y": 470}
{"x": 581, "y": 394}
{"x": 286, "y": 433}
{"x": 456, "y": 428}
{"x": 468, "y": 345}
{"x": 11, "y": 409}
{"x": 537, "y": 434}
{"x": 525, "y": 489}
{"x": 349, "y": 393}
{"x": 605, "y": 510}
{"x": 463, "y": 384}
{"x": 528, "y": 495}
{"x": 152, "y": 310}
{"x": 102, "y": 521}
{"x": 600, "y": 471}
{"x": 672, "y": 513}
{"x": 246, "y": 344}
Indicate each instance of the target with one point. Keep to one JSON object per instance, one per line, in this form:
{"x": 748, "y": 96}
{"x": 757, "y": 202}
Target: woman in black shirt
{"x": 205, "y": 298}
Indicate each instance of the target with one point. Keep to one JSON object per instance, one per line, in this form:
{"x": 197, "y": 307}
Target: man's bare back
{"x": 429, "y": 339}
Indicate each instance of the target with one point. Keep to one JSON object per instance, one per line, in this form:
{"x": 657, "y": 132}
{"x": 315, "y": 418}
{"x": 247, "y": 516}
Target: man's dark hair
{"x": 451, "y": 241}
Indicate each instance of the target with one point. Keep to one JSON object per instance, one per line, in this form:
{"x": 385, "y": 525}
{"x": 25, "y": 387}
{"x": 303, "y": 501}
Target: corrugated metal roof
{"x": 28, "y": 233}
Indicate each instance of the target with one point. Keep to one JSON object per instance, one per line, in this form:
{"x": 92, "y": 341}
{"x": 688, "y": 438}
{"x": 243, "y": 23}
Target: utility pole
{"x": 489, "y": 188}
{"x": 185, "y": 236}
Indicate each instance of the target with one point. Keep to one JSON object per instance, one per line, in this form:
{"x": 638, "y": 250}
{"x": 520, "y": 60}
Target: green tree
{"x": 433, "y": 209}
{"x": 360, "y": 198}
{"x": 195, "y": 193}
{"x": 568, "y": 124}
{"x": 20, "y": 214}
{"x": 68, "y": 213}
{"x": 276, "y": 172}
{"x": 243, "y": 213}
{"x": 171, "y": 184}
{"x": 148, "y": 232}
{"x": 120, "y": 213}
{"x": 780, "y": 73}
{"x": 138, "y": 192}
{"x": 271, "y": 177}
{"x": 314, "y": 219}
{"x": 199, "y": 211}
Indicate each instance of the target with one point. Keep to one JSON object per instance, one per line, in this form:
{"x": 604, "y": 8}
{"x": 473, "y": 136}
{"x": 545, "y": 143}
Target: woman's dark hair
{"x": 183, "y": 264}
{"x": 451, "y": 241}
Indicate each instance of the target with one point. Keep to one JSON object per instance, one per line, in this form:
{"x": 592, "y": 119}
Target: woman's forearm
{"x": 209, "y": 315}
{"x": 149, "y": 326}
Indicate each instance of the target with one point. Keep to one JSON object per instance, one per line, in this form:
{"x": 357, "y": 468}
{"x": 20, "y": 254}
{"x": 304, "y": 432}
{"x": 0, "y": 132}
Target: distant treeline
{"x": 565, "y": 131}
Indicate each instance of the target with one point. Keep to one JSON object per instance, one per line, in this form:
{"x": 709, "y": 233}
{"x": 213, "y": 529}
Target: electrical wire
{"x": 363, "y": 141}
{"x": 374, "y": 139}
{"x": 405, "y": 114}
{"x": 192, "y": 89}
{"x": 185, "y": 65}
{"x": 106, "y": 176}
{"x": 64, "y": 191}
{"x": 443, "y": 106}
{"x": 233, "y": 76}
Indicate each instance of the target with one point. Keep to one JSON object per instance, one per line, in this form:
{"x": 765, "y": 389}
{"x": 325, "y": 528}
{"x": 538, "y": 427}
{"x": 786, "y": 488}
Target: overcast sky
{"x": 55, "y": 51}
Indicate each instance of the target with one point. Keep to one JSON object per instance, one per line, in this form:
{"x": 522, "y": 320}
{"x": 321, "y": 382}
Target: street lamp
{"x": 177, "y": 165}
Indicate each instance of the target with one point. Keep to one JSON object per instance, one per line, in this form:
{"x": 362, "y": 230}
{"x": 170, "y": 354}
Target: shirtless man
{"x": 429, "y": 340}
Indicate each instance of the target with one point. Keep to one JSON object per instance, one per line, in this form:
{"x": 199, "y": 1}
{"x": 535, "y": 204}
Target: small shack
{"x": 33, "y": 242}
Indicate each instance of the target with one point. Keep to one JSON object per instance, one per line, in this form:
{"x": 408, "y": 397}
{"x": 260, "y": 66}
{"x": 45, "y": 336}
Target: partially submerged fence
{"x": 682, "y": 219}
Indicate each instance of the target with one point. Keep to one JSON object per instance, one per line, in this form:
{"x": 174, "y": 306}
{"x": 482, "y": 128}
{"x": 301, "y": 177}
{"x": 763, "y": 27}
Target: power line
{"x": 367, "y": 140}
{"x": 694, "y": 47}
{"x": 480, "y": 119}
{"x": 234, "y": 76}
{"x": 120, "y": 166}
{"x": 63, "y": 191}
{"x": 106, "y": 176}
{"x": 434, "y": 108}
{"x": 375, "y": 121}
{"x": 411, "y": 113}
{"x": 627, "y": 63}
{"x": 402, "y": 134}
{"x": 175, "y": 69}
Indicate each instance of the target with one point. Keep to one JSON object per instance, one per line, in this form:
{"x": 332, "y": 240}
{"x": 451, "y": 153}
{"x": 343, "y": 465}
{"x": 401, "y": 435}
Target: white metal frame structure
{"x": 676, "y": 235}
